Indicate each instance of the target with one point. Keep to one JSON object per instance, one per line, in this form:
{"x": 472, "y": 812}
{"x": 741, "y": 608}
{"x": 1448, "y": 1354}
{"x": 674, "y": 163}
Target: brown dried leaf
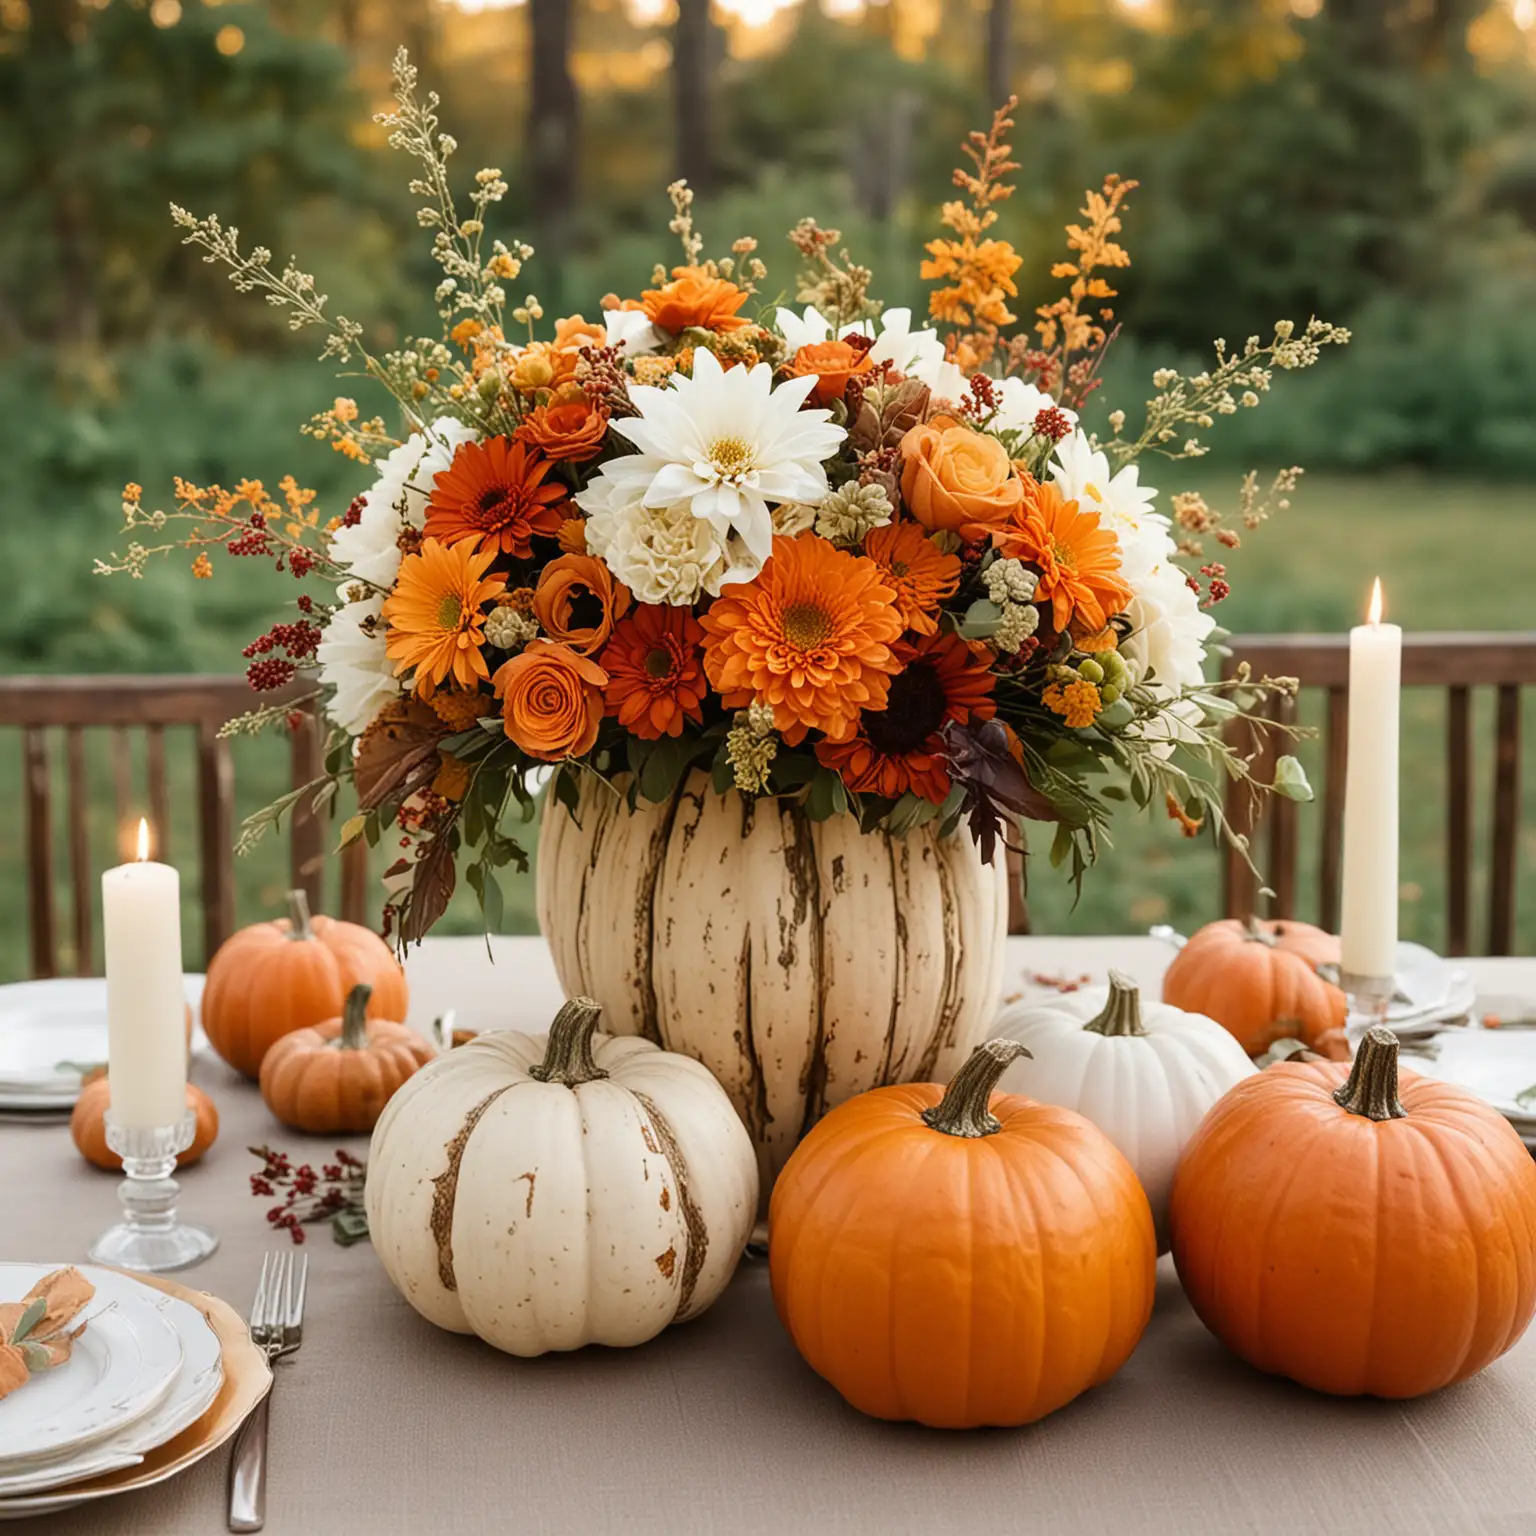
{"x": 397, "y": 754}
{"x": 887, "y": 413}
{"x": 431, "y": 887}
{"x": 65, "y": 1292}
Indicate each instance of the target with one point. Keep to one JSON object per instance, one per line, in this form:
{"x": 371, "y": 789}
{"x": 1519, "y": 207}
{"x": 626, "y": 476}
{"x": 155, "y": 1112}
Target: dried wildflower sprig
{"x": 979, "y": 272}
{"x": 293, "y": 290}
{"x": 360, "y": 441}
{"x": 1237, "y": 382}
{"x": 681, "y": 224}
{"x": 471, "y": 282}
{"x": 841, "y": 293}
{"x": 334, "y": 1194}
{"x": 1195, "y": 519}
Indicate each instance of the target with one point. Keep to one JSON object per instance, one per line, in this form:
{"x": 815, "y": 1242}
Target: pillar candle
{"x": 1368, "y": 930}
{"x": 146, "y": 1020}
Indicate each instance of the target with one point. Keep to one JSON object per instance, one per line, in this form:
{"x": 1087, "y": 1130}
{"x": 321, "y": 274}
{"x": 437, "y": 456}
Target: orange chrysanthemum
{"x": 655, "y": 678}
{"x": 577, "y": 602}
{"x": 899, "y": 748}
{"x": 435, "y": 617}
{"x": 834, "y": 363}
{"x": 495, "y": 491}
{"x": 810, "y": 635}
{"x": 693, "y": 298}
{"x": 1078, "y": 561}
{"x": 1078, "y": 701}
{"x": 917, "y": 570}
{"x": 573, "y": 430}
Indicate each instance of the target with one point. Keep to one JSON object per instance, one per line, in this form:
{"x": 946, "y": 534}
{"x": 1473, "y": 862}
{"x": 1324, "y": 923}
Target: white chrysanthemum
{"x": 353, "y": 664}
{"x": 633, "y": 328}
{"x": 1019, "y": 403}
{"x": 662, "y": 554}
{"x": 370, "y": 548}
{"x": 1123, "y": 504}
{"x": 1166, "y": 645}
{"x": 895, "y": 342}
{"x": 724, "y": 444}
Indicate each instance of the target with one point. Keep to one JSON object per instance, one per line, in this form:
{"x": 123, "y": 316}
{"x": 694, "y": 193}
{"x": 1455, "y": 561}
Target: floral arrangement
{"x": 812, "y": 549}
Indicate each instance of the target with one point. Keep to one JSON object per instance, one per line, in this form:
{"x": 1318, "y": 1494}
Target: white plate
{"x": 192, "y": 1393}
{"x": 1495, "y": 1064}
{"x": 123, "y": 1365}
{"x": 51, "y": 1030}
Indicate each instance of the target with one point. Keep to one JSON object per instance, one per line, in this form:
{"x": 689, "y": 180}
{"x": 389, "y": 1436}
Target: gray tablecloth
{"x": 382, "y": 1424}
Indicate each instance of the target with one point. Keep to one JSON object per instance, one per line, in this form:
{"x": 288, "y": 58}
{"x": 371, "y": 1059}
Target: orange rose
{"x": 694, "y": 298}
{"x": 833, "y": 363}
{"x": 573, "y": 334}
{"x": 573, "y": 430}
{"x": 552, "y": 700}
{"x": 953, "y": 477}
{"x": 577, "y": 602}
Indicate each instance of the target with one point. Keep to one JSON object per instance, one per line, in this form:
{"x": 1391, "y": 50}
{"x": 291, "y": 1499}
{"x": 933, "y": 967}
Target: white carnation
{"x": 663, "y": 554}
{"x": 1166, "y": 645}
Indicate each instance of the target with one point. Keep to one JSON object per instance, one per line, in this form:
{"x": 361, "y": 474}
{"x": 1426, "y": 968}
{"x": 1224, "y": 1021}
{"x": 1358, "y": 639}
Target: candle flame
{"x": 143, "y": 839}
{"x": 1373, "y": 614}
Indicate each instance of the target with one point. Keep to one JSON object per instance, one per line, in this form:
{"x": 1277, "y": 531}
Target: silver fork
{"x": 277, "y": 1329}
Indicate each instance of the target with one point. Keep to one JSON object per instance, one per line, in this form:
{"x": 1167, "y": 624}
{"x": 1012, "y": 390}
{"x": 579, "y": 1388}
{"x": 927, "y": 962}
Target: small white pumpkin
{"x": 1144, "y": 1073}
{"x": 547, "y": 1192}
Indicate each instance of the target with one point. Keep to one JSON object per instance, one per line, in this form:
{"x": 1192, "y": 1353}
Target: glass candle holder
{"x": 150, "y": 1238}
{"x": 1368, "y": 998}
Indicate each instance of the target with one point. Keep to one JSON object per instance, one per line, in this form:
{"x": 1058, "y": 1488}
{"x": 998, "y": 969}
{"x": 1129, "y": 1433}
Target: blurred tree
{"x": 999, "y": 51}
{"x": 692, "y": 117}
{"x": 553, "y": 132}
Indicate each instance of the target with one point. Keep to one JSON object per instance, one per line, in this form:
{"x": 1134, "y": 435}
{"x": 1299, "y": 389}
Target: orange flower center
{"x": 898, "y": 567}
{"x": 1064, "y": 555}
{"x": 806, "y": 626}
{"x": 450, "y": 610}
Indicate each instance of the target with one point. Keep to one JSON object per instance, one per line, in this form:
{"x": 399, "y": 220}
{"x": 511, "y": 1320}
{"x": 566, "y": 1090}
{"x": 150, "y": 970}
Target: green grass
{"x": 1451, "y": 556}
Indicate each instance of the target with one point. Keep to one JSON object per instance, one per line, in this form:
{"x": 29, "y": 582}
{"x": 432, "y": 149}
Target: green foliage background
{"x": 1370, "y": 168}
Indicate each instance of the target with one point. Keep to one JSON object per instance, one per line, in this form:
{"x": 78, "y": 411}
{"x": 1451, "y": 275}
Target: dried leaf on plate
{"x": 34, "y": 1332}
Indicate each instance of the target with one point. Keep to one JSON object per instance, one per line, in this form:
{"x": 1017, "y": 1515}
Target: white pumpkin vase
{"x": 801, "y": 961}
{"x": 1145, "y": 1073}
{"x": 546, "y": 1192}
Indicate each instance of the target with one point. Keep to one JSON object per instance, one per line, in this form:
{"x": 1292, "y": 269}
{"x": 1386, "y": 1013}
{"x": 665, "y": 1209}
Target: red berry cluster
{"x": 306, "y": 604}
{"x": 1052, "y": 422}
{"x": 354, "y": 513}
{"x": 256, "y": 542}
{"x": 300, "y": 563}
{"x": 859, "y": 342}
{"x": 985, "y": 392}
{"x": 299, "y": 640}
{"x": 308, "y": 1196}
{"x": 1220, "y": 586}
{"x": 270, "y": 674}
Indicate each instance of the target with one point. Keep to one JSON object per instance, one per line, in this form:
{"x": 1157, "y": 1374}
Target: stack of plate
{"x": 161, "y": 1377}
{"x": 1498, "y": 1065}
{"x": 51, "y": 1034}
{"x": 1431, "y": 993}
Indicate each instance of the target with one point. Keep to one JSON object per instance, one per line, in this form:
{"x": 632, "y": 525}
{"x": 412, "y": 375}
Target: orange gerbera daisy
{"x": 655, "y": 679}
{"x": 810, "y": 635}
{"x": 435, "y": 617}
{"x": 899, "y": 747}
{"x": 1078, "y": 561}
{"x": 495, "y": 491}
{"x": 916, "y": 569}
{"x": 693, "y": 298}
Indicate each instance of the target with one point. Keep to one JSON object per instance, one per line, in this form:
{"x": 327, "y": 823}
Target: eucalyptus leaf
{"x": 1291, "y": 780}
{"x": 981, "y": 620}
{"x": 1116, "y": 716}
{"x": 36, "y": 1356}
{"x": 36, "y": 1311}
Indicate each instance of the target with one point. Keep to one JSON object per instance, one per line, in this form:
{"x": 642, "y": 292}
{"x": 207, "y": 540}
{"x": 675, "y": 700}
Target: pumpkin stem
{"x": 354, "y": 1018}
{"x": 299, "y": 926}
{"x": 1372, "y": 1086}
{"x": 1256, "y": 935}
{"x": 963, "y": 1109}
{"x": 1121, "y": 1014}
{"x": 568, "y": 1056}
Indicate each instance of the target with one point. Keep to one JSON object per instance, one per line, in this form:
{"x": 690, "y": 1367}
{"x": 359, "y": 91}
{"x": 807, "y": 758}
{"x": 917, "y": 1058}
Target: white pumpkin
{"x": 801, "y": 961}
{"x": 547, "y": 1192}
{"x": 1144, "y": 1073}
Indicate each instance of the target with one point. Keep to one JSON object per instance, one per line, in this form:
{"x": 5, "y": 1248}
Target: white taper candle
{"x": 146, "y": 1018}
{"x": 1368, "y": 930}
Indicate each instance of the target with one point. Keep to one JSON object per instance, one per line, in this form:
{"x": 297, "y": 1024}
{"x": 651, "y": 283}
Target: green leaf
{"x": 349, "y": 1226}
{"x": 490, "y": 903}
{"x": 664, "y": 766}
{"x": 36, "y": 1310}
{"x": 36, "y": 1357}
{"x": 981, "y": 620}
{"x": 351, "y": 829}
{"x": 828, "y": 797}
{"x": 567, "y": 791}
{"x": 794, "y": 770}
{"x": 1063, "y": 845}
{"x": 1291, "y": 780}
{"x": 721, "y": 774}
{"x": 1116, "y": 716}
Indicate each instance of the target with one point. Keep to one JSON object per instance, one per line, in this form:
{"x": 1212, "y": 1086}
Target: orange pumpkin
{"x": 1356, "y": 1235}
{"x": 338, "y": 1076}
{"x": 273, "y": 978}
{"x": 1315, "y": 945}
{"x": 960, "y": 1259}
{"x": 87, "y": 1124}
{"x": 1247, "y": 979}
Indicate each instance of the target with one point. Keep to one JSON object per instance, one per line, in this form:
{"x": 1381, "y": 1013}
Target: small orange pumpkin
{"x": 943, "y": 1255}
{"x": 1247, "y": 978}
{"x": 336, "y": 1077}
{"x": 273, "y": 978}
{"x": 1315, "y": 945}
{"x": 1356, "y": 1235}
{"x": 87, "y": 1124}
